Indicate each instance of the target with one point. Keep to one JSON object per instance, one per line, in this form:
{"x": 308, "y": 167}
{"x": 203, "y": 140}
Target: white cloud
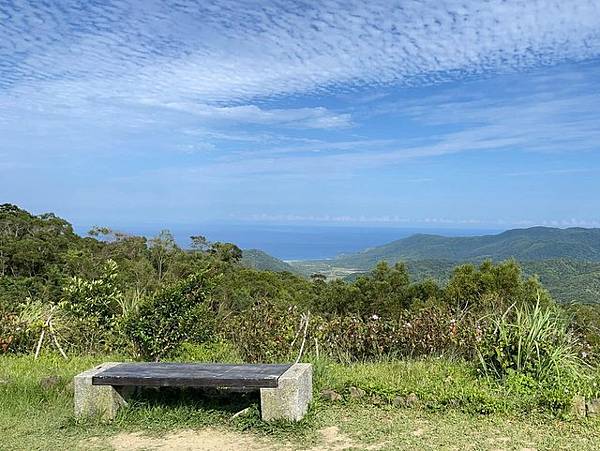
{"x": 427, "y": 221}
{"x": 251, "y": 114}
{"x": 210, "y": 51}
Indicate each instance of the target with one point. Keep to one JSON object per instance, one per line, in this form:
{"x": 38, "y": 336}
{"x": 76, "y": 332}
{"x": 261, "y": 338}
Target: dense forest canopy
{"x": 112, "y": 291}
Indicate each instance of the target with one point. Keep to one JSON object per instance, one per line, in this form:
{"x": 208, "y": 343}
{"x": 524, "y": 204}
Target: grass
{"x": 447, "y": 415}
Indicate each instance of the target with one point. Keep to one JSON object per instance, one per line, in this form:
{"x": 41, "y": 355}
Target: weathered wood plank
{"x": 191, "y": 375}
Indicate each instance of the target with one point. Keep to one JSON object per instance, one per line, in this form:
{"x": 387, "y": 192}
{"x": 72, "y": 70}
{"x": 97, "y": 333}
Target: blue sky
{"x": 412, "y": 113}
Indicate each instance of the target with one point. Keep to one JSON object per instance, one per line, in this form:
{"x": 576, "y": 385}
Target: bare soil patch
{"x": 210, "y": 439}
{"x": 187, "y": 440}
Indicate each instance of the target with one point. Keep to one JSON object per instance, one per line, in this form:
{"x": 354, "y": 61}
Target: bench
{"x": 285, "y": 390}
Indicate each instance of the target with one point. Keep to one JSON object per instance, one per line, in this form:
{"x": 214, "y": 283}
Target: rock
{"x": 578, "y": 407}
{"x": 49, "y": 382}
{"x": 69, "y": 388}
{"x": 377, "y": 400}
{"x": 330, "y": 395}
{"x": 242, "y": 413}
{"x": 593, "y": 407}
{"x": 412, "y": 400}
{"x": 399, "y": 401}
{"x": 356, "y": 392}
{"x": 406, "y": 401}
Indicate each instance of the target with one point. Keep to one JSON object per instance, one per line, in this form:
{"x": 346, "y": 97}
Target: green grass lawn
{"x": 455, "y": 410}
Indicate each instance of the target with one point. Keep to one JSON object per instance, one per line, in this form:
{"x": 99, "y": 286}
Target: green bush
{"x": 264, "y": 332}
{"x": 20, "y": 332}
{"x": 95, "y": 301}
{"x": 14, "y": 335}
{"x": 241, "y": 288}
{"x": 176, "y": 314}
{"x": 492, "y": 287}
{"x": 530, "y": 340}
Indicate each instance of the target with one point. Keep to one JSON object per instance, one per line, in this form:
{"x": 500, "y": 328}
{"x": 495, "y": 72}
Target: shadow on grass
{"x": 225, "y": 402}
{"x": 157, "y": 410}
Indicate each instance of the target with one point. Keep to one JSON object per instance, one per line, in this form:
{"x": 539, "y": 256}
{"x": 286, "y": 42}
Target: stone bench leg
{"x": 101, "y": 401}
{"x": 289, "y": 401}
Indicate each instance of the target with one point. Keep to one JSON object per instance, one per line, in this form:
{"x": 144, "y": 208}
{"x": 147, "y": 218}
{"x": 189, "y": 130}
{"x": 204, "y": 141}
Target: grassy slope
{"x": 32, "y": 417}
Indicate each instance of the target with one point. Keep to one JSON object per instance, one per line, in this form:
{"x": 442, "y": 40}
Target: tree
{"x": 226, "y": 252}
{"x": 318, "y": 278}
{"x": 176, "y": 314}
{"x": 162, "y": 248}
{"x": 200, "y": 243}
{"x": 492, "y": 286}
{"x": 31, "y": 245}
{"x": 385, "y": 290}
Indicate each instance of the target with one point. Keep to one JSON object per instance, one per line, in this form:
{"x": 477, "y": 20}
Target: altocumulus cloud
{"x": 212, "y": 58}
{"x": 318, "y": 117}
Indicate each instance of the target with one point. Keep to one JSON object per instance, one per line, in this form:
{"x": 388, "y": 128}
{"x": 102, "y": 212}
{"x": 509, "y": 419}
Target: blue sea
{"x": 297, "y": 242}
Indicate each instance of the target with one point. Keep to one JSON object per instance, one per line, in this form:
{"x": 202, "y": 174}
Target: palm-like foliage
{"x": 532, "y": 340}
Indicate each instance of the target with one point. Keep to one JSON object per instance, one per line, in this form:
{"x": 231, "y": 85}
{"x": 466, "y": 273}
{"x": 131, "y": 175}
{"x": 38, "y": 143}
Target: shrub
{"x": 385, "y": 291}
{"x": 264, "y": 332}
{"x": 20, "y": 332}
{"x": 492, "y": 287}
{"x": 14, "y": 335}
{"x": 176, "y": 314}
{"x": 586, "y": 326}
{"x": 531, "y": 340}
{"x": 241, "y": 288}
{"x": 430, "y": 330}
{"x": 268, "y": 332}
{"x": 95, "y": 301}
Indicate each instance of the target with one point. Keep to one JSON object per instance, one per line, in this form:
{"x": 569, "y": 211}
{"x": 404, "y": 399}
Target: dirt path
{"x": 219, "y": 440}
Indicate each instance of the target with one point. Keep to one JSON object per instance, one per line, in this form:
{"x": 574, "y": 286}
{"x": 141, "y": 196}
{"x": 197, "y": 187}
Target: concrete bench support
{"x": 289, "y": 401}
{"x": 285, "y": 391}
{"x": 101, "y": 401}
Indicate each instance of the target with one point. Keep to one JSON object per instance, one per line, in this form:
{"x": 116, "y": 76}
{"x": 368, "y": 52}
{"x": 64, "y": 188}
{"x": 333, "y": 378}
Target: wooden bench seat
{"x": 285, "y": 390}
{"x": 191, "y": 375}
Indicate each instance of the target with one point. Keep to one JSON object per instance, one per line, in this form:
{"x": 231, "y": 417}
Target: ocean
{"x": 297, "y": 242}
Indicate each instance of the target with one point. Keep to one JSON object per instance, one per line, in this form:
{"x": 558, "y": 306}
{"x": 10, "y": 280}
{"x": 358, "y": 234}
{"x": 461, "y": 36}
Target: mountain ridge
{"x": 529, "y": 244}
{"x": 567, "y": 261}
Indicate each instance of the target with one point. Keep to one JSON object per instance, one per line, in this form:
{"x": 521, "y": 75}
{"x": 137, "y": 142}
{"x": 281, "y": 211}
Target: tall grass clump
{"x": 531, "y": 340}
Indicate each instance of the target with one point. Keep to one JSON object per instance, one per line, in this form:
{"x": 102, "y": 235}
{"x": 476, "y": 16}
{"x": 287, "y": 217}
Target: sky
{"x": 432, "y": 113}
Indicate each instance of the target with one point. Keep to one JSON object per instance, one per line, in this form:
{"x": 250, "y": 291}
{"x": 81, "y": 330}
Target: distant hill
{"x": 533, "y": 244}
{"x": 567, "y": 280}
{"x": 567, "y": 261}
{"x": 257, "y": 259}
